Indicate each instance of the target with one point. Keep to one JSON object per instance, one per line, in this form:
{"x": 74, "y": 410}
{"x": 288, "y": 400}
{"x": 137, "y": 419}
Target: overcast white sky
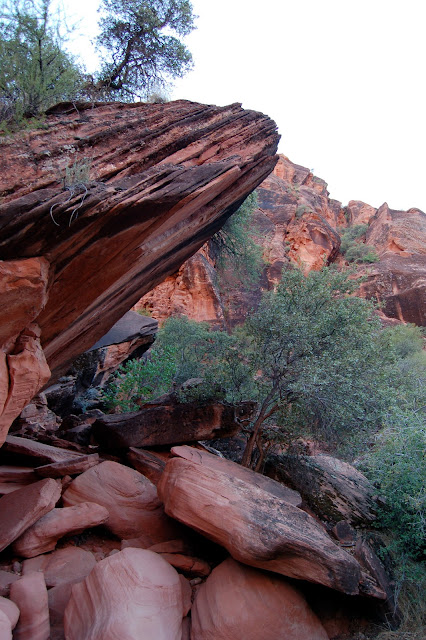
{"x": 344, "y": 80}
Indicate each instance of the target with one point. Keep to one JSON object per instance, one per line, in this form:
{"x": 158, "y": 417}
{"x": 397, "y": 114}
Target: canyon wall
{"x": 296, "y": 222}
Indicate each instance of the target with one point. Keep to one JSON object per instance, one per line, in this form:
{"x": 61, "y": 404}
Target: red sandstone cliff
{"x": 99, "y": 207}
{"x": 297, "y": 222}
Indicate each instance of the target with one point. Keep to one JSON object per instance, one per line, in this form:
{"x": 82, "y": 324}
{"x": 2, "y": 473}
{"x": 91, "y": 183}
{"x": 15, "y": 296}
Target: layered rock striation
{"x": 101, "y": 205}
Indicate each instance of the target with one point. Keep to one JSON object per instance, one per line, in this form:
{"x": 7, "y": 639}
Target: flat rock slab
{"x": 10, "y": 473}
{"x": 187, "y": 564}
{"x": 20, "y": 509}
{"x": 129, "y": 327}
{"x": 131, "y": 595}
{"x": 13, "y": 478}
{"x": 70, "y": 467}
{"x": 130, "y": 498}
{"x": 70, "y": 564}
{"x": 10, "y": 487}
{"x": 211, "y": 461}
{"x": 256, "y": 528}
{"x": 45, "y": 453}
{"x": 237, "y": 601}
{"x": 171, "y": 423}
{"x": 44, "y": 534}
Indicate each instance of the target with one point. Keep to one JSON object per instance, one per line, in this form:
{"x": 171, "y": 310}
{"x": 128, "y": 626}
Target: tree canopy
{"x": 142, "y": 45}
{"x": 35, "y": 69}
{"x": 140, "y": 42}
{"x": 312, "y": 355}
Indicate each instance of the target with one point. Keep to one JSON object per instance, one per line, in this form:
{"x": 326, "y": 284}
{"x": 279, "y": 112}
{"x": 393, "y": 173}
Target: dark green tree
{"x": 35, "y": 70}
{"x": 142, "y": 45}
{"x": 316, "y": 354}
{"x": 313, "y": 356}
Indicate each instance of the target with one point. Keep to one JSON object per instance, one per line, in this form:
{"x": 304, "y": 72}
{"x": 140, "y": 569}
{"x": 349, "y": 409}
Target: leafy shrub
{"x": 405, "y": 339}
{"x": 353, "y": 249}
{"x": 397, "y": 462}
{"x": 361, "y": 253}
{"x": 183, "y": 350}
{"x": 141, "y": 380}
{"x": 35, "y": 70}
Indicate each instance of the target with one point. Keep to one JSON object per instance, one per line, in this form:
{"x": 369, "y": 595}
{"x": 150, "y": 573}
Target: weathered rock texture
{"x": 213, "y": 462}
{"x": 256, "y": 527}
{"x": 333, "y": 489}
{"x": 240, "y": 602}
{"x": 398, "y": 280}
{"x": 130, "y": 498}
{"x": 79, "y": 252}
{"x": 130, "y": 595}
{"x": 171, "y": 422}
{"x": 20, "y": 509}
{"x": 193, "y": 291}
{"x": 296, "y": 222}
{"x": 45, "y": 533}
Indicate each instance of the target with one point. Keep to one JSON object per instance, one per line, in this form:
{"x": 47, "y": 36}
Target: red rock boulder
{"x": 131, "y": 500}
{"x": 256, "y": 527}
{"x": 132, "y": 594}
{"x": 238, "y": 602}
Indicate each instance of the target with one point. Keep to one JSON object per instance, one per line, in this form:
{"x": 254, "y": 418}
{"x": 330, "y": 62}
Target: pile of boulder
{"x": 178, "y": 544}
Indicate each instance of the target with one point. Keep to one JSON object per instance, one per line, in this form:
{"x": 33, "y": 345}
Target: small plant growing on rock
{"x": 78, "y": 173}
{"x": 76, "y": 180}
{"x": 301, "y": 210}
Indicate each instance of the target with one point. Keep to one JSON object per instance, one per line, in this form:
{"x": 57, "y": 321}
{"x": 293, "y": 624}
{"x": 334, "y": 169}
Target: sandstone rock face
{"x": 129, "y": 333}
{"x": 295, "y": 220}
{"x": 297, "y": 223}
{"x": 206, "y": 459}
{"x": 399, "y": 278}
{"x": 131, "y": 595}
{"x": 45, "y": 533}
{"x": 161, "y": 180}
{"x": 193, "y": 291}
{"x": 256, "y": 528}
{"x": 13, "y": 477}
{"x": 171, "y": 422}
{"x": 333, "y": 489}
{"x": 147, "y": 463}
{"x": 240, "y": 602}
{"x": 20, "y": 509}
{"x": 30, "y": 595}
{"x": 23, "y": 371}
{"x": 130, "y": 498}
